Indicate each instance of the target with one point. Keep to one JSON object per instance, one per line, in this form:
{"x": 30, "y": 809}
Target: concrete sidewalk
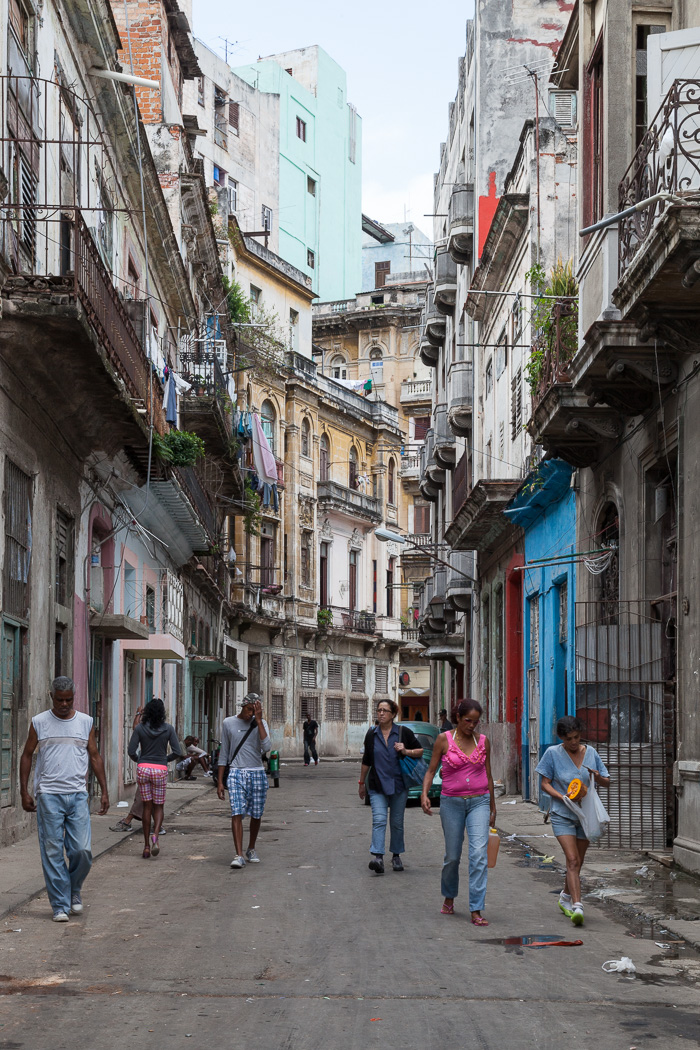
{"x": 20, "y": 864}
{"x": 645, "y": 887}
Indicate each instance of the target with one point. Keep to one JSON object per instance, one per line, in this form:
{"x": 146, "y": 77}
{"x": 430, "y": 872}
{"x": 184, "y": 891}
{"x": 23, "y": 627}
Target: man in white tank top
{"x": 64, "y": 740}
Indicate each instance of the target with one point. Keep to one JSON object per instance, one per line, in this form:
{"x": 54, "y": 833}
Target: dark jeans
{"x": 310, "y": 746}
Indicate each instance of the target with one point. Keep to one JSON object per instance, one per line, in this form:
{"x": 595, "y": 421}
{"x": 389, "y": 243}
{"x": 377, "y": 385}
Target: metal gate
{"x": 131, "y": 696}
{"x": 626, "y": 704}
{"x": 533, "y": 699}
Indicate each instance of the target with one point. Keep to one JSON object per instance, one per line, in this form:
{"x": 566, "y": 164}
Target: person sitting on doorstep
{"x": 195, "y": 756}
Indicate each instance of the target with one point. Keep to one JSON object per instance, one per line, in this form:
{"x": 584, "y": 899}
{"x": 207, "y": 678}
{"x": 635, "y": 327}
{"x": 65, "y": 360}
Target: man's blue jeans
{"x": 382, "y": 805}
{"x": 64, "y": 832}
{"x": 472, "y": 814}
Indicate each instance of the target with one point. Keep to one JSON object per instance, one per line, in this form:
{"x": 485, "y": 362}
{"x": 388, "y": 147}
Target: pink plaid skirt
{"x": 152, "y": 781}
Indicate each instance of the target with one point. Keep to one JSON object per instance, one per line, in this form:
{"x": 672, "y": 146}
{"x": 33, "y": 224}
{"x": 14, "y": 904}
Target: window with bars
{"x": 308, "y": 671}
{"x": 501, "y": 440}
{"x": 563, "y": 595}
{"x": 357, "y": 677}
{"x": 335, "y": 674}
{"x": 381, "y": 679}
{"x": 357, "y": 712}
{"x": 335, "y": 709}
{"x": 310, "y": 706}
{"x": 64, "y": 539}
{"x": 516, "y": 405}
{"x": 277, "y": 707}
{"x": 18, "y": 548}
{"x": 277, "y": 666}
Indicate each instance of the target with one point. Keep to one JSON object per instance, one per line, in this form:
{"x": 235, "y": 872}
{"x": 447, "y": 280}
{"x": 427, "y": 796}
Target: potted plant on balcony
{"x": 324, "y": 618}
{"x": 179, "y": 448}
{"x": 554, "y": 321}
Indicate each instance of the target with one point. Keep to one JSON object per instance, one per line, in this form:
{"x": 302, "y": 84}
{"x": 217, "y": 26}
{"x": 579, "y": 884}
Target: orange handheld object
{"x": 493, "y": 846}
{"x": 576, "y": 790}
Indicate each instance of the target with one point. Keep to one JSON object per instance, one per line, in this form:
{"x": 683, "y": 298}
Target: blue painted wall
{"x": 546, "y": 509}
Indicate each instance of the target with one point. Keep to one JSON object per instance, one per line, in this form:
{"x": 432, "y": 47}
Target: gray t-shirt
{"x": 560, "y": 768}
{"x": 62, "y": 758}
{"x": 232, "y": 732}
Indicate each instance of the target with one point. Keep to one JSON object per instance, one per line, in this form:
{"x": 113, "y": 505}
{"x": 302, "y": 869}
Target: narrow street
{"x": 310, "y": 950}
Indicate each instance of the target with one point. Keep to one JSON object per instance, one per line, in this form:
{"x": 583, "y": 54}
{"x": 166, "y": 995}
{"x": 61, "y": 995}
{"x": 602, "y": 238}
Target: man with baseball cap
{"x": 244, "y": 738}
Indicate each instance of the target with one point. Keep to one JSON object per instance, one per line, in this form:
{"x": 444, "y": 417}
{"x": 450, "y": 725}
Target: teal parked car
{"x": 427, "y": 735}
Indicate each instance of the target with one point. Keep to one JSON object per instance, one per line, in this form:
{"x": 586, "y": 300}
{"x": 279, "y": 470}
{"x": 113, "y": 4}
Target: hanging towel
{"x": 262, "y": 453}
{"x": 170, "y": 400}
{"x": 181, "y": 385}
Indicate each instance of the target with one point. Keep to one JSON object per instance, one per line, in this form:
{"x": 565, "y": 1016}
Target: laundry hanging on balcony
{"x": 360, "y": 385}
{"x": 265, "y": 462}
{"x": 174, "y": 386}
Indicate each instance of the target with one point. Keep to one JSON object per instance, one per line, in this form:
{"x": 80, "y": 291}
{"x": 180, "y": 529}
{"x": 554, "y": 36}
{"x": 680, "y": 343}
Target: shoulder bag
{"x": 413, "y": 770}
{"x": 227, "y": 767}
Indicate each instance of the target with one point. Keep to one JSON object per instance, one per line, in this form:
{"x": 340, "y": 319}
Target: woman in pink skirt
{"x": 148, "y": 747}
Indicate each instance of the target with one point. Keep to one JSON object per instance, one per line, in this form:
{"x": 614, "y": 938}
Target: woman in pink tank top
{"x": 467, "y": 803}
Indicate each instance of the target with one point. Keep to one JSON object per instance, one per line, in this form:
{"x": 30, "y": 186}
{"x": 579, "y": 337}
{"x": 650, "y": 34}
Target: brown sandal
{"x": 146, "y": 854}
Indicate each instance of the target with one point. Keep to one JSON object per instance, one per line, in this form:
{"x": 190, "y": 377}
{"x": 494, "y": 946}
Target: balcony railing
{"x": 667, "y": 161}
{"x": 416, "y": 390}
{"x": 554, "y": 349}
{"x": 410, "y": 466}
{"x": 196, "y": 491}
{"x": 353, "y": 620}
{"x": 461, "y": 223}
{"x": 349, "y": 501}
{"x": 445, "y": 281}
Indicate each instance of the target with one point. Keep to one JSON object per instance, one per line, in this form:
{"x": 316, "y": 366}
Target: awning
{"x": 158, "y": 647}
{"x": 203, "y": 666}
{"x": 413, "y": 691}
{"x": 444, "y": 652}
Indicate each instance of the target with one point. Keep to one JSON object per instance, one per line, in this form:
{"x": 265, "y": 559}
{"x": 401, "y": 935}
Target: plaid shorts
{"x": 152, "y": 781}
{"x": 247, "y": 791}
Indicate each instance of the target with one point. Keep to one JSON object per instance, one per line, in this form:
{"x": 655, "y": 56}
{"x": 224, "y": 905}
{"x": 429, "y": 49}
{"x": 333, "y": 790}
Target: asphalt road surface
{"x": 310, "y": 950}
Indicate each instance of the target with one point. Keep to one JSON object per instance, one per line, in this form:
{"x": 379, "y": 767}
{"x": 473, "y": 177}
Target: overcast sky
{"x": 401, "y": 63}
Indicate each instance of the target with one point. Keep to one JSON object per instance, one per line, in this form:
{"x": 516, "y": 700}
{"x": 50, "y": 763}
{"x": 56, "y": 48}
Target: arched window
{"x": 391, "y": 487}
{"x": 325, "y": 459}
{"x": 376, "y": 354}
{"x": 268, "y": 419}
{"x": 305, "y": 437}
{"x": 352, "y": 468}
{"x": 339, "y": 367}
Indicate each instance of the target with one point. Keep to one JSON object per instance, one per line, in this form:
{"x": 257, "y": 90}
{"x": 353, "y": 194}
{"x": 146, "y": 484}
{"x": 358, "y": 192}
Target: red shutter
{"x": 422, "y": 424}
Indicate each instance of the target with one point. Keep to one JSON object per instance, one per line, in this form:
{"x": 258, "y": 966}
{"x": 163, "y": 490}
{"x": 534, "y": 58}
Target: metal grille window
{"x": 358, "y": 712}
{"x": 381, "y": 679}
{"x": 18, "y": 540}
{"x": 277, "y": 666}
{"x": 308, "y": 671}
{"x": 310, "y": 705}
{"x": 335, "y": 674}
{"x": 64, "y": 539}
{"x": 151, "y": 607}
{"x": 516, "y": 405}
{"x": 173, "y": 604}
{"x": 277, "y": 707}
{"x": 357, "y": 677}
{"x": 563, "y": 612}
{"x": 335, "y": 709}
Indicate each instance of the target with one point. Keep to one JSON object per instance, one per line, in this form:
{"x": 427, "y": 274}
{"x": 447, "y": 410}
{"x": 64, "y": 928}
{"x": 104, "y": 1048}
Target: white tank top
{"x": 62, "y": 756}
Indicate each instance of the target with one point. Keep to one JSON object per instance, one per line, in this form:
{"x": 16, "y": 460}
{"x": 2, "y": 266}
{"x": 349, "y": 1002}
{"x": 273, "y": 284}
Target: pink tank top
{"x": 464, "y": 774}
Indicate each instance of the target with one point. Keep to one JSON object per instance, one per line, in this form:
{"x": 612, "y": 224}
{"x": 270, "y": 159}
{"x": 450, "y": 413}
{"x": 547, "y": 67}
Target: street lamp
{"x": 387, "y": 536}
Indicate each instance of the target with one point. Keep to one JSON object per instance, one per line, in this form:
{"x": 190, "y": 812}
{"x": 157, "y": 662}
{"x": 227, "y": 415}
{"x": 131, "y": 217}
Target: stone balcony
{"x": 479, "y": 523}
{"x": 444, "y": 441}
{"x": 416, "y": 391}
{"x": 431, "y": 477}
{"x": 460, "y": 232}
{"x": 445, "y": 287}
{"x": 435, "y": 323}
{"x": 349, "y": 502}
{"x": 460, "y": 387}
{"x": 460, "y": 579}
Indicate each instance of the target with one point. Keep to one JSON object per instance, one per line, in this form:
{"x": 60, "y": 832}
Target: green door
{"x": 10, "y": 665}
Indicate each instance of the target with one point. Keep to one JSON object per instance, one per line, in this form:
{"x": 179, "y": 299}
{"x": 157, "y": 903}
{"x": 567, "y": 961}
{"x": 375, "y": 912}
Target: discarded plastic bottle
{"x": 493, "y": 847}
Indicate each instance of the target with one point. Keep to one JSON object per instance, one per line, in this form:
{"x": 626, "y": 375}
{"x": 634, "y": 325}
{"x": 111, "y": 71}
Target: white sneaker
{"x": 252, "y": 857}
{"x": 60, "y": 916}
{"x": 566, "y": 904}
{"x": 577, "y": 914}
{"x": 238, "y": 862}
{"x": 76, "y": 905}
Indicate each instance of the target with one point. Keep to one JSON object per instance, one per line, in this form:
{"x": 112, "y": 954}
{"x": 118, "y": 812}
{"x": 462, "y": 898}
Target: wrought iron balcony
{"x": 350, "y": 502}
{"x": 353, "y": 620}
{"x": 460, "y": 233}
{"x": 460, "y": 388}
{"x": 444, "y": 442}
{"x": 445, "y": 291}
{"x": 206, "y": 407}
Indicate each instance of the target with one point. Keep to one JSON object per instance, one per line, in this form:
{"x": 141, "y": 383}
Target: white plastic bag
{"x": 623, "y": 965}
{"x": 591, "y": 813}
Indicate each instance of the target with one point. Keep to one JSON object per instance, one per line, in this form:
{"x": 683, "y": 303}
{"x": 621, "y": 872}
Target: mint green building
{"x": 320, "y": 168}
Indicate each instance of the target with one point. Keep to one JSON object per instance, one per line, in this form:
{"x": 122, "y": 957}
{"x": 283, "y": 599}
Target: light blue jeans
{"x": 472, "y": 814}
{"x": 64, "y": 832}
{"x": 381, "y": 806}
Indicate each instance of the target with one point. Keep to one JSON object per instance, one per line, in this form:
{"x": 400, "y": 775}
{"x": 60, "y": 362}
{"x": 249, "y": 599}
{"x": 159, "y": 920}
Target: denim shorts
{"x": 566, "y": 826}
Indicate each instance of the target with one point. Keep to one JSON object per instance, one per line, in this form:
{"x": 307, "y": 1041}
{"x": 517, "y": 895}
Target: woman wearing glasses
{"x": 467, "y": 803}
{"x": 385, "y": 742}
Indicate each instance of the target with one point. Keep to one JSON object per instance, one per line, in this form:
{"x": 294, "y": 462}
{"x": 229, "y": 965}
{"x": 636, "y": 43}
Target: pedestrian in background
{"x": 66, "y": 745}
{"x": 310, "y": 727}
{"x": 559, "y": 765}
{"x": 467, "y": 802}
{"x": 148, "y": 747}
{"x": 243, "y": 739}
{"x": 444, "y": 721}
{"x": 381, "y": 776}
